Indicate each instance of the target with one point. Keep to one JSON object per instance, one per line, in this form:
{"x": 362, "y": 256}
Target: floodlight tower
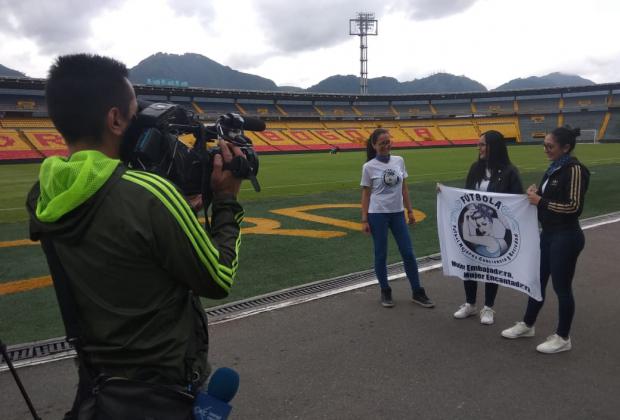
{"x": 364, "y": 25}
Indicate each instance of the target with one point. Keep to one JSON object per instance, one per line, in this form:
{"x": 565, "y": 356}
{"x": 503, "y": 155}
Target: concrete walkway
{"x": 346, "y": 357}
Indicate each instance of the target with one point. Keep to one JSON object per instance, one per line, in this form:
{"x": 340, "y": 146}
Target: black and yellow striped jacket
{"x": 138, "y": 260}
{"x": 563, "y": 196}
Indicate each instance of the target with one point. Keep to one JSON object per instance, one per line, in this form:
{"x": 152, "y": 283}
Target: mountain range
{"x": 199, "y": 71}
{"x": 5, "y": 71}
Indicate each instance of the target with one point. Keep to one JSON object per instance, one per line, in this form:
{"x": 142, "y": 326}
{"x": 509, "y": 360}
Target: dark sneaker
{"x": 419, "y": 297}
{"x": 386, "y": 298}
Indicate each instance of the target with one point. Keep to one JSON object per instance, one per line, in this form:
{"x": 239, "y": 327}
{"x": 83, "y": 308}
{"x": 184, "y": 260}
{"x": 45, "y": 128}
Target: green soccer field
{"x": 302, "y": 227}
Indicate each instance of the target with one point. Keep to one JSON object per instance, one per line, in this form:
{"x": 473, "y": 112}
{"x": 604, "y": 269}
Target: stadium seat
{"x": 13, "y": 147}
{"x": 48, "y": 142}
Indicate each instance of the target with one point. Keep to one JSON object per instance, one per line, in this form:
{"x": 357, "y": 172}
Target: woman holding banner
{"x": 492, "y": 172}
{"x": 384, "y": 197}
{"x": 559, "y": 199}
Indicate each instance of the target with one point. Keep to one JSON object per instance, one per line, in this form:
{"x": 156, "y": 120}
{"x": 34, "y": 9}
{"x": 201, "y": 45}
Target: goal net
{"x": 588, "y": 135}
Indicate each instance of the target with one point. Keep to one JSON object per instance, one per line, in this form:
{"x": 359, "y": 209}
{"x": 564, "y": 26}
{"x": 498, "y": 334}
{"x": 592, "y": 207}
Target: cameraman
{"x": 135, "y": 256}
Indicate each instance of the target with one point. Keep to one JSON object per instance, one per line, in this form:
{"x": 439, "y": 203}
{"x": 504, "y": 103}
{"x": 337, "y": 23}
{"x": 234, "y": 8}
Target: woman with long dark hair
{"x": 559, "y": 198}
{"x": 492, "y": 172}
{"x": 384, "y": 198}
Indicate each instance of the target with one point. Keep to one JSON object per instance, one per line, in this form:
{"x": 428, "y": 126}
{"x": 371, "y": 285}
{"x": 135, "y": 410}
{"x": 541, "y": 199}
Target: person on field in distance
{"x": 559, "y": 198}
{"x": 384, "y": 198}
{"x": 135, "y": 256}
{"x": 491, "y": 172}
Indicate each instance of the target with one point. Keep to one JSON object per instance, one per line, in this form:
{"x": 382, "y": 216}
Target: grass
{"x": 273, "y": 262}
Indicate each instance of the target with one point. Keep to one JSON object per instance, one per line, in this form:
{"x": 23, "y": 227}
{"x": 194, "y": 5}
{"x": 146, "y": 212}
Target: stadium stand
{"x": 538, "y": 104}
{"x": 614, "y": 100}
{"x": 47, "y": 141}
{"x": 260, "y": 145}
{"x": 381, "y": 109}
{"x": 425, "y": 134}
{"x": 584, "y": 120}
{"x": 306, "y": 139}
{"x": 337, "y": 109}
{"x": 26, "y": 123}
{"x": 452, "y": 108}
{"x": 260, "y": 109}
{"x": 335, "y": 139}
{"x": 460, "y": 132}
{"x": 356, "y": 135}
{"x": 13, "y": 100}
{"x": 301, "y": 122}
{"x": 493, "y": 106}
{"x": 400, "y": 138}
{"x": 14, "y": 148}
{"x": 612, "y": 130}
{"x": 293, "y": 109}
{"x": 536, "y": 127}
{"x": 419, "y": 109}
{"x": 277, "y": 139}
{"x": 153, "y": 98}
{"x": 509, "y": 127}
{"x": 212, "y": 108}
{"x": 585, "y": 102}
{"x": 277, "y": 125}
{"x": 184, "y": 101}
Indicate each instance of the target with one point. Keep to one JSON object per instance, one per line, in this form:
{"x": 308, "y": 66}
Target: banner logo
{"x": 485, "y": 230}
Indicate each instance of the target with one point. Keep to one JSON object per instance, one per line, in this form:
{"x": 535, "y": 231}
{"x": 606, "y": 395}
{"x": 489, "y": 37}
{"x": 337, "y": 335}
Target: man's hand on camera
{"x": 195, "y": 202}
{"x": 222, "y": 180}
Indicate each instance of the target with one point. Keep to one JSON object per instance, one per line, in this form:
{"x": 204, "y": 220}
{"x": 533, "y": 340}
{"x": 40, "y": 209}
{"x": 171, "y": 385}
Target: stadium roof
{"x": 39, "y": 84}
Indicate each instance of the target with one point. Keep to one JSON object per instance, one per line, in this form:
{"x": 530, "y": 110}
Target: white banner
{"x": 489, "y": 237}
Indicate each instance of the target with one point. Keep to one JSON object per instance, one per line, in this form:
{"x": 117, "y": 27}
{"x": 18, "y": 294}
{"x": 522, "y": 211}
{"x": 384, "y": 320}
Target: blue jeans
{"x": 379, "y": 225}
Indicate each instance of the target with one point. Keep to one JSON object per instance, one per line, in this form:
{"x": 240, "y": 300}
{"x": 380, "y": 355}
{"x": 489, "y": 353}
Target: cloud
{"x": 601, "y": 69}
{"x": 298, "y": 26}
{"x": 431, "y": 9}
{"x": 204, "y": 10}
{"x": 55, "y": 26}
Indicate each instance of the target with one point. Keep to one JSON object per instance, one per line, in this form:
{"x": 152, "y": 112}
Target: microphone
{"x": 253, "y": 124}
{"x": 235, "y": 121}
{"x": 213, "y": 404}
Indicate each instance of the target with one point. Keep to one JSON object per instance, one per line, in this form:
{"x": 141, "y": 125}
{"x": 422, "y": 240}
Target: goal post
{"x": 588, "y": 135}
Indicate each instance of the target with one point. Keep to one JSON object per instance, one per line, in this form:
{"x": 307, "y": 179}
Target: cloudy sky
{"x": 298, "y": 43}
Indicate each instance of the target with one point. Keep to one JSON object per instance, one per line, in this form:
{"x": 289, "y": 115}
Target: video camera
{"x": 152, "y": 144}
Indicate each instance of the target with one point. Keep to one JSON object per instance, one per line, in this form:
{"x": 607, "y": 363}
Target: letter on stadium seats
{"x": 424, "y": 133}
{"x": 6, "y": 141}
{"x": 355, "y": 134}
{"x": 301, "y": 135}
{"x": 272, "y": 135}
{"x": 326, "y": 134}
{"x": 49, "y": 139}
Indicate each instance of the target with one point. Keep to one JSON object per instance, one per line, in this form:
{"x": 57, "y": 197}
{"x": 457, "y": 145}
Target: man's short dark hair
{"x": 81, "y": 89}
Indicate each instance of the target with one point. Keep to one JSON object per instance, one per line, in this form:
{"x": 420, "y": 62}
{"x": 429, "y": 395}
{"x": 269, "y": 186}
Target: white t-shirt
{"x": 386, "y": 184}
{"x": 483, "y": 185}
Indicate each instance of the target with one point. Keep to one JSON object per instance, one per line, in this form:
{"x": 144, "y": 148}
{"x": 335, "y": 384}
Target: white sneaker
{"x": 520, "y": 329}
{"x": 464, "y": 311}
{"x": 554, "y": 344}
{"x": 486, "y": 316}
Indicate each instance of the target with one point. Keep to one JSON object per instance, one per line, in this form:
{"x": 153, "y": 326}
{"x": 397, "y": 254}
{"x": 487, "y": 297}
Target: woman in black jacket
{"x": 559, "y": 198}
{"x": 492, "y": 172}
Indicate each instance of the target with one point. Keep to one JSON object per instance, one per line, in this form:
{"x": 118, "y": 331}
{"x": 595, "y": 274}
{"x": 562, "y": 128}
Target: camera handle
{"x": 6, "y": 357}
{"x": 241, "y": 168}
